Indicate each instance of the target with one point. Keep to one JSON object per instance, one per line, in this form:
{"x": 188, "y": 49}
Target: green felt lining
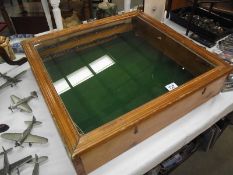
{"x": 140, "y": 74}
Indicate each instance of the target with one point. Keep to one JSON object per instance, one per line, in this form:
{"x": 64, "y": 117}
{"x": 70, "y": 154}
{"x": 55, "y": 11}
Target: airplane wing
{"x": 15, "y": 99}
{"x": 25, "y": 107}
{"x": 20, "y": 74}
{"x": 12, "y": 136}
{"x": 30, "y": 138}
{"x": 20, "y": 163}
{"x": 40, "y": 160}
{"x": 35, "y": 139}
{"x": 5, "y": 85}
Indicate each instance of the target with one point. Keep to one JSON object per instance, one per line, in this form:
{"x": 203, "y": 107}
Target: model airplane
{"x": 21, "y": 104}
{"x": 26, "y": 136}
{"x": 37, "y": 160}
{"x": 9, "y": 168}
{"x": 11, "y": 81}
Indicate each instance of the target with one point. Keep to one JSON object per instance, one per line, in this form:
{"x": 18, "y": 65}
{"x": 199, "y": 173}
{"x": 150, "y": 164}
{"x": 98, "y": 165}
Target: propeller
{"x": 10, "y": 107}
{"x": 18, "y": 144}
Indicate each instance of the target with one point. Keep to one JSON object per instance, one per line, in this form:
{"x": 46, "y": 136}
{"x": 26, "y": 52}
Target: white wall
{"x": 120, "y": 3}
{"x": 155, "y": 8}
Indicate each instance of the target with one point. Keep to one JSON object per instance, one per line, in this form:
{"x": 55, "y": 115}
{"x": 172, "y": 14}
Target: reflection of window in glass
{"x": 79, "y": 76}
{"x": 101, "y": 64}
{"x": 61, "y": 86}
{"x": 83, "y": 74}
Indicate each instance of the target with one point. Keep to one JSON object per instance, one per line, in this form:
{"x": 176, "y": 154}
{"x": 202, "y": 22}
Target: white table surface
{"x": 137, "y": 160}
{"x": 58, "y": 161}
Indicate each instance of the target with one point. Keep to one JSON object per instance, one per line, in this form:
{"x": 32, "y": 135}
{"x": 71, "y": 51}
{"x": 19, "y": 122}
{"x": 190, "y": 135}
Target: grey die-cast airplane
{"x": 22, "y": 104}
{"x": 26, "y": 136}
{"x": 11, "y": 81}
{"x": 9, "y": 168}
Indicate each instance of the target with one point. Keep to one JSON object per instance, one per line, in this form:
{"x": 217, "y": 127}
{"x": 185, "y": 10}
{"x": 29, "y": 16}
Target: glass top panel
{"x": 100, "y": 83}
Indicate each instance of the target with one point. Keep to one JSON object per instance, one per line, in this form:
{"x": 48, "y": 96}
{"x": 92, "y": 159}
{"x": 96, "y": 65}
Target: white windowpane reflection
{"x": 61, "y": 86}
{"x": 101, "y": 63}
{"x": 83, "y": 74}
{"x": 79, "y": 76}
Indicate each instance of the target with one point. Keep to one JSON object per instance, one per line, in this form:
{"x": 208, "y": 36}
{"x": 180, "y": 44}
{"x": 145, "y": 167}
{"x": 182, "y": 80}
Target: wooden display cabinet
{"x": 104, "y": 109}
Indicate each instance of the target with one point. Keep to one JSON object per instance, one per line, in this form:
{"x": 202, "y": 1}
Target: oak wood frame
{"x": 91, "y": 150}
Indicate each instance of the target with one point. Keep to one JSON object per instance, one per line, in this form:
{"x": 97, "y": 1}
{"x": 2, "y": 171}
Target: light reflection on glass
{"x": 101, "y": 64}
{"x": 79, "y": 76}
{"x": 61, "y": 86}
{"x": 83, "y": 74}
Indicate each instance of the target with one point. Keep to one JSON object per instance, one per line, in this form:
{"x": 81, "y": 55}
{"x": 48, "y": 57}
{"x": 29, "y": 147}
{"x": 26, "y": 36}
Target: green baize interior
{"x": 137, "y": 74}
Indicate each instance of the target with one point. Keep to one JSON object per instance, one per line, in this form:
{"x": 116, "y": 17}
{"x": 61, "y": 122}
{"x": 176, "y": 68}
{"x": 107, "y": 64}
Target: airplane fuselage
{"x": 11, "y": 83}
{"x": 26, "y": 133}
{"x": 6, "y": 168}
{"x": 9, "y": 79}
{"x": 36, "y": 169}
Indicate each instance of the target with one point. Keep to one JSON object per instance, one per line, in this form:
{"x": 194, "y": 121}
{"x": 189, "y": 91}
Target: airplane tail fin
{"x": 34, "y": 94}
{"x": 6, "y": 161}
{"x": 3, "y": 149}
{"x": 34, "y": 121}
{"x": 7, "y": 151}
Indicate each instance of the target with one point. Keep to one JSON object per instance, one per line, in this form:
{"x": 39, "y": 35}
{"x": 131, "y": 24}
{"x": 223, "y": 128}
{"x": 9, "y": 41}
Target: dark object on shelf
{"x": 229, "y": 117}
{"x": 207, "y": 25}
{"x": 194, "y": 5}
{"x": 202, "y": 41}
{"x": 179, "y": 157}
{"x": 223, "y": 9}
{"x": 3, "y": 127}
{"x": 105, "y": 9}
{"x": 6, "y": 18}
{"x": 210, "y": 137}
{"x": 20, "y": 22}
{"x": 228, "y": 84}
{"x": 6, "y": 58}
{"x": 37, "y": 23}
{"x": 226, "y": 46}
